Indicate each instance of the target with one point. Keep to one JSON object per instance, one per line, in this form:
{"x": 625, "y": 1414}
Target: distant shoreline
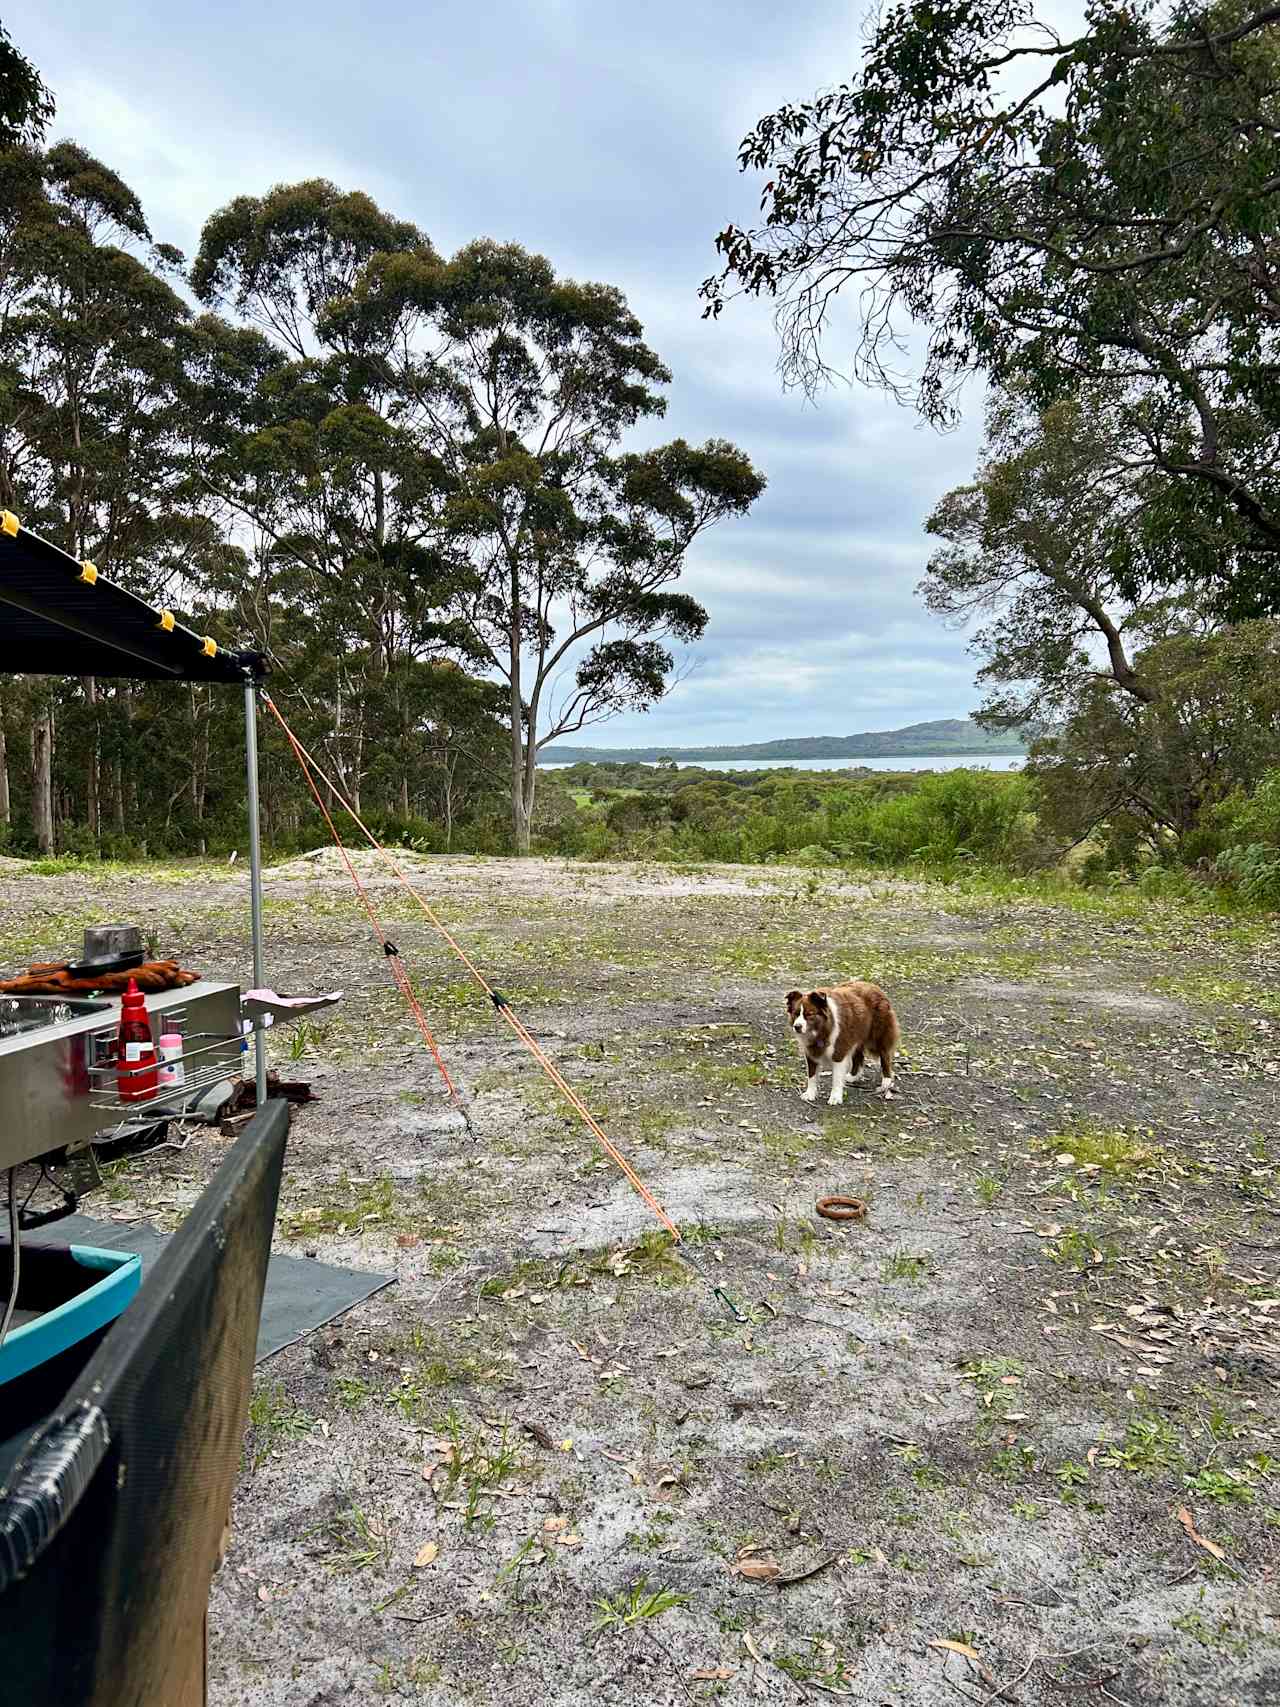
{"x": 868, "y": 763}
{"x": 739, "y": 755}
{"x": 943, "y": 738}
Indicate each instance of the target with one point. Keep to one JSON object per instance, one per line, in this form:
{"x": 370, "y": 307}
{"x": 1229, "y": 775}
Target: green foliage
{"x": 1153, "y": 778}
{"x": 1060, "y": 214}
{"x": 635, "y": 1605}
{"x": 947, "y": 822}
{"x": 26, "y": 106}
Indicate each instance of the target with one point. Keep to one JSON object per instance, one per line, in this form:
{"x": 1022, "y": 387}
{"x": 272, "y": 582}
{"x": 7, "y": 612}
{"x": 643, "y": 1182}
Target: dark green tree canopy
{"x": 1056, "y": 214}
{"x": 26, "y": 105}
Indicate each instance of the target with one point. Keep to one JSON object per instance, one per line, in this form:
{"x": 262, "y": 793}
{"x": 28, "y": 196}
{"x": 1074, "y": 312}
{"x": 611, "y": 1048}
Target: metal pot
{"x": 109, "y": 942}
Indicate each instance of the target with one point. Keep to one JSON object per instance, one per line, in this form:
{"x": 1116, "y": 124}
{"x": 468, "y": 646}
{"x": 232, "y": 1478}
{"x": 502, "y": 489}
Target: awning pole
{"x": 255, "y": 879}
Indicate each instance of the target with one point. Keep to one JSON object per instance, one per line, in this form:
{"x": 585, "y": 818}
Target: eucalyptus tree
{"x": 26, "y": 103}
{"x": 91, "y": 351}
{"x": 1039, "y": 551}
{"x": 1055, "y": 212}
{"x": 564, "y": 546}
{"x": 303, "y": 432}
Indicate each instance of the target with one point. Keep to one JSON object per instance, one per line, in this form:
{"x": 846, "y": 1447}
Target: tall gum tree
{"x": 1038, "y": 549}
{"x": 1057, "y": 211}
{"x": 92, "y": 334}
{"x": 308, "y": 439}
{"x": 565, "y": 546}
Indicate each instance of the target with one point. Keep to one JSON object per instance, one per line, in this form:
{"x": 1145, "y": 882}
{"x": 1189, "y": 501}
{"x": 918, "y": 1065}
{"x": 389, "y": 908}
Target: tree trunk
{"x": 357, "y": 760}
{"x": 42, "y": 778}
{"x": 519, "y": 816}
{"x": 92, "y": 760}
{"x": 126, "y": 780}
{"x": 530, "y": 779}
{"x": 201, "y": 714}
{"x": 4, "y": 771}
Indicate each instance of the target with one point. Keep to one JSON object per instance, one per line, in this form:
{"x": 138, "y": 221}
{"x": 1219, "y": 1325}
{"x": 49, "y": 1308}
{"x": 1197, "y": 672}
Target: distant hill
{"x": 956, "y": 737}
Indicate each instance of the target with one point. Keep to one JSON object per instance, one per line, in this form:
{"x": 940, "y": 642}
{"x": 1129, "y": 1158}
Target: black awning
{"x": 61, "y": 618}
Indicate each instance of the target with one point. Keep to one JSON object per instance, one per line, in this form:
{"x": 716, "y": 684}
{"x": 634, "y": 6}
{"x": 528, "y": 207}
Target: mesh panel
{"x": 112, "y": 1613}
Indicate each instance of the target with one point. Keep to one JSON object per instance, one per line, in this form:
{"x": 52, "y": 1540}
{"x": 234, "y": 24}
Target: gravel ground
{"x": 1012, "y": 1437}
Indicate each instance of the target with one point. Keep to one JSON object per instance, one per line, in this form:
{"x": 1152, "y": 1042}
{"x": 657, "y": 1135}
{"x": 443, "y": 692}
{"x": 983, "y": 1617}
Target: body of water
{"x": 916, "y": 762}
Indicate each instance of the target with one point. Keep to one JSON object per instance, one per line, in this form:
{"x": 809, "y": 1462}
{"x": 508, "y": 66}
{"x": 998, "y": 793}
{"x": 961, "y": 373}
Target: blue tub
{"x": 66, "y": 1293}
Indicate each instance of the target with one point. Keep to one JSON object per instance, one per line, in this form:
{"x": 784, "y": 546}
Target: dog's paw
{"x": 810, "y": 1095}
{"x": 888, "y": 1089}
{"x": 835, "y": 1101}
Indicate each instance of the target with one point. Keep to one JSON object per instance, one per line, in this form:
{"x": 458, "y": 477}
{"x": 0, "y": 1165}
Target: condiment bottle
{"x": 135, "y": 1051}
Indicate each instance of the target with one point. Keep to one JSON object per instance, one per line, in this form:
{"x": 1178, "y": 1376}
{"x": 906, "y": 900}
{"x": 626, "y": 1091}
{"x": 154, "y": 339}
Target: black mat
{"x": 301, "y": 1294}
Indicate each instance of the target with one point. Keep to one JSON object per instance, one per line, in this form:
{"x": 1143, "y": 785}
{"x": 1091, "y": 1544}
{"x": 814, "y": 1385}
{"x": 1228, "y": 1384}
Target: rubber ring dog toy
{"x": 842, "y": 1208}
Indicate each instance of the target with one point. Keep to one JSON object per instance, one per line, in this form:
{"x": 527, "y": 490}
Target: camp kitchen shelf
{"x": 57, "y": 1082}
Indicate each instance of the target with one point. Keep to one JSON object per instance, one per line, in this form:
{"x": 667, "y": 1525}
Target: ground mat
{"x": 301, "y": 1294}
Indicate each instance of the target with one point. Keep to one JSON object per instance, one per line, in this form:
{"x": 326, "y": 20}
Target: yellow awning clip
{"x": 210, "y": 647}
{"x": 9, "y": 523}
{"x": 166, "y": 621}
{"x": 88, "y": 572}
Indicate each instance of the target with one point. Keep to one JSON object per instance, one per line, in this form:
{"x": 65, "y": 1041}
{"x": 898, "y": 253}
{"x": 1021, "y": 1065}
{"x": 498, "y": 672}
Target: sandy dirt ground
{"x": 1011, "y": 1438}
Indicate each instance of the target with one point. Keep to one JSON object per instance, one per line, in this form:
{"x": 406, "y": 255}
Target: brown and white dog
{"x": 839, "y": 1027}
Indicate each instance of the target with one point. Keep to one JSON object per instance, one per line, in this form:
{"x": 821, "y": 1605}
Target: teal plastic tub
{"x": 66, "y": 1294}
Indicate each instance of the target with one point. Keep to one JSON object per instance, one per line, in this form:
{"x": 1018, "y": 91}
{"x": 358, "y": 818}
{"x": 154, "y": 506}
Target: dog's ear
{"x": 794, "y": 999}
{"x": 817, "y": 998}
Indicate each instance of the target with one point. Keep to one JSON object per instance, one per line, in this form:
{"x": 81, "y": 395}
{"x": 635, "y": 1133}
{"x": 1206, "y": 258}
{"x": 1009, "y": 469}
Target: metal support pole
{"x": 255, "y": 878}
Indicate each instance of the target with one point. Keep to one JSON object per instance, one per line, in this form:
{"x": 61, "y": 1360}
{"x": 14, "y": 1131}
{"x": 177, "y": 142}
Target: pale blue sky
{"x": 604, "y": 136}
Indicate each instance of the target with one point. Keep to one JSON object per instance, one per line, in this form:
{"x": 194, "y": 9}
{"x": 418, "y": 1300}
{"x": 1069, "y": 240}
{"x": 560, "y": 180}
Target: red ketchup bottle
{"x": 136, "y": 1076}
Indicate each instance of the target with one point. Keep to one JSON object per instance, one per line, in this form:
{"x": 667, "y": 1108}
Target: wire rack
{"x": 208, "y": 1058}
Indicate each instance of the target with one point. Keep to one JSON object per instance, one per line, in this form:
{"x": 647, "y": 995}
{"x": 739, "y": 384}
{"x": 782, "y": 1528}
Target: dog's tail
{"x": 885, "y": 1034}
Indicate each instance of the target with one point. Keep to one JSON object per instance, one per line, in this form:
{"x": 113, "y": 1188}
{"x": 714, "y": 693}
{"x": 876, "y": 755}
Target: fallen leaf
{"x": 713, "y": 1674}
{"x": 570, "y": 1540}
{"x": 407, "y": 1241}
{"x": 757, "y": 1570}
{"x": 538, "y": 1433}
{"x": 1185, "y": 1518}
{"x": 955, "y": 1647}
{"x": 552, "y": 1524}
{"x": 425, "y": 1555}
{"x": 751, "y": 1648}
{"x": 264, "y": 1595}
{"x": 808, "y": 1571}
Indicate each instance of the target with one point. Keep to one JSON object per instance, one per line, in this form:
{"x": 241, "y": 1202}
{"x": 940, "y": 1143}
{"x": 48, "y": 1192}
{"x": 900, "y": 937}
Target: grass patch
{"x": 635, "y": 1605}
{"x": 349, "y": 1206}
{"x": 1150, "y": 1444}
{"x": 273, "y": 1418}
{"x": 475, "y": 1466}
{"x": 1115, "y": 1150}
{"x": 651, "y": 1259}
{"x": 1208, "y": 990}
{"x": 355, "y": 1540}
{"x": 902, "y": 1266}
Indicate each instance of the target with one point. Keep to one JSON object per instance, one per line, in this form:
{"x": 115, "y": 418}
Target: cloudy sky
{"x": 605, "y": 137}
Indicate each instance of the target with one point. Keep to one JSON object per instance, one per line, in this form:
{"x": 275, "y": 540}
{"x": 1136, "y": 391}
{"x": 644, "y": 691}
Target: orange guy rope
{"x": 495, "y": 996}
{"x": 398, "y": 972}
